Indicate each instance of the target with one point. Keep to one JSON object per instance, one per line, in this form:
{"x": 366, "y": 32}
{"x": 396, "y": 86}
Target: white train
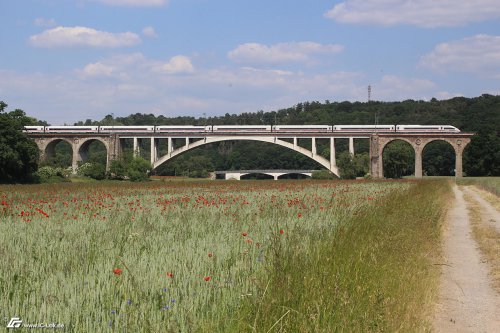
{"x": 243, "y": 129}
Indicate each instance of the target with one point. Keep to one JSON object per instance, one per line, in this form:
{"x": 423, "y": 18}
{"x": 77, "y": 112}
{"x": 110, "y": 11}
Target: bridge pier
{"x": 333, "y": 162}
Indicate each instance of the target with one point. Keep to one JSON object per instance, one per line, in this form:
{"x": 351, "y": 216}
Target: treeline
{"x": 480, "y": 115}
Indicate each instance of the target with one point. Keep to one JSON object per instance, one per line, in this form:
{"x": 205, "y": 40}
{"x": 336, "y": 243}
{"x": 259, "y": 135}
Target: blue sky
{"x": 69, "y": 60}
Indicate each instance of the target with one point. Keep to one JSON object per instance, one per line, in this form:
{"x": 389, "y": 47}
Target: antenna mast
{"x": 369, "y": 93}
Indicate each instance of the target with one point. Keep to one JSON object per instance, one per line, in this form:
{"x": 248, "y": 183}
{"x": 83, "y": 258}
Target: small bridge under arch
{"x": 237, "y": 174}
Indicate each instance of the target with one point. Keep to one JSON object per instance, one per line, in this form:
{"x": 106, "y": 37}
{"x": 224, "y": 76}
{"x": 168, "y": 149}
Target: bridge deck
{"x": 263, "y": 171}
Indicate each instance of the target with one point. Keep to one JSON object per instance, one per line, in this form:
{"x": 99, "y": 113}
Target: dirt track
{"x": 467, "y": 302}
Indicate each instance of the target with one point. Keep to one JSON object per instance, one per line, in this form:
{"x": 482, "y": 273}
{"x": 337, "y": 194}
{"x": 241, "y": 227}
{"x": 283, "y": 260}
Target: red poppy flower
{"x": 207, "y": 278}
{"x": 210, "y": 254}
{"x": 299, "y": 215}
{"x": 117, "y": 271}
{"x": 282, "y": 231}
{"x": 244, "y": 234}
{"x": 170, "y": 275}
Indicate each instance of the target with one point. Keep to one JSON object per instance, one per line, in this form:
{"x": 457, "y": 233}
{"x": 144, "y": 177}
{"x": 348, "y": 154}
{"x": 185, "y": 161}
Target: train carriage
{"x": 34, "y": 129}
{"x": 182, "y": 129}
{"x": 126, "y": 129}
{"x": 364, "y": 128}
{"x": 302, "y": 128}
{"x": 241, "y": 128}
{"x": 426, "y": 128}
{"x": 71, "y": 129}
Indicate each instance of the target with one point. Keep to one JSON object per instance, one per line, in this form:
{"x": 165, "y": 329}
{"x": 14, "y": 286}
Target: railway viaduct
{"x": 113, "y": 143}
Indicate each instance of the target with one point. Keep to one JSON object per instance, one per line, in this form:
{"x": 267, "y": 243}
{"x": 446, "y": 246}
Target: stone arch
{"x": 212, "y": 139}
{"x": 458, "y": 144}
{"x": 448, "y": 144}
{"x": 386, "y": 143}
{"x": 48, "y": 147}
{"x": 301, "y": 175}
{"x": 81, "y": 150}
{"x": 259, "y": 175}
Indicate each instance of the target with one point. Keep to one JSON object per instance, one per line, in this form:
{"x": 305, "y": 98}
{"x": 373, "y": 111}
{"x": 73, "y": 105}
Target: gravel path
{"x": 467, "y": 302}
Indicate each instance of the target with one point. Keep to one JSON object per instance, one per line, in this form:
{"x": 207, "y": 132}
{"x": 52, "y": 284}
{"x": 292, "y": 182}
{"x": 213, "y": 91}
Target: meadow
{"x": 491, "y": 184}
{"x": 221, "y": 256}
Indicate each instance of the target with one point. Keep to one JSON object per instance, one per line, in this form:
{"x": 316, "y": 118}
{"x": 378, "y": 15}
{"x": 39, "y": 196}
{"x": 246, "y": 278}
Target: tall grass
{"x": 373, "y": 273}
{"x": 200, "y": 256}
{"x": 491, "y": 184}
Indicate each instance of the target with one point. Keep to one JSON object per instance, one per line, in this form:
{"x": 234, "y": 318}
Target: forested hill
{"x": 468, "y": 114}
{"x": 480, "y": 115}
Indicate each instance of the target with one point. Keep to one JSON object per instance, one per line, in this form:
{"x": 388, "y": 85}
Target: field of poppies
{"x": 156, "y": 257}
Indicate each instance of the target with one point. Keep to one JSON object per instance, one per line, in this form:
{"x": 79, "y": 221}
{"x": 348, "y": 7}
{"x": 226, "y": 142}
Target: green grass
{"x": 374, "y": 273}
{"x": 351, "y": 255}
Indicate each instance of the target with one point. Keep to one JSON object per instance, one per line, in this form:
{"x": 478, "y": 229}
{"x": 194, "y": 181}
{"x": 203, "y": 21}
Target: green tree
{"x": 352, "y": 166}
{"x": 18, "y": 153}
{"x": 482, "y": 155}
{"x": 138, "y": 169}
{"x": 399, "y": 159}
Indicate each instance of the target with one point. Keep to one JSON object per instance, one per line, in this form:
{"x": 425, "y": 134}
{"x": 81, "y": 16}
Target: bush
{"x": 49, "y": 174}
{"x": 323, "y": 174}
{"x": 138, "y": 169}
{"x": 92, "y": 170}
{"x": 352, "y": 166}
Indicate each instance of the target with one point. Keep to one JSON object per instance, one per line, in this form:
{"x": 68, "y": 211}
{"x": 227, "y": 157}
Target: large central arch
{"x": 269, "y": 139}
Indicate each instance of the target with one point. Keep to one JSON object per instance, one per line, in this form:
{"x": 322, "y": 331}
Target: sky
{"x": 69, "y": 60}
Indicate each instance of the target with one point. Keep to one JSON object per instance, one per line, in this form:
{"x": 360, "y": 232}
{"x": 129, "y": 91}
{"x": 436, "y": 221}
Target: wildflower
{"x": 129, "y": 301}
{"x": 207, "y": 278}
{"x": 170, "y": 275}
{"x": 299, "y": 215}
{"x": 42, "y": 212}
{"x": 244, "y": 234}
{"x": 117, "y": 271}
{"x": 282, "y": 231}
{"x": 210, "y": 254}
{"x": 166, "y": 308}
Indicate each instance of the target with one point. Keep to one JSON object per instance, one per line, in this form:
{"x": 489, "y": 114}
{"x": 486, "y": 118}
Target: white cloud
{"x": 422, "y": 13}
{"x": 43, "y": 22}
{"x": 129, "y": 83}
{"x": 134, "y": 3}
{"x": 176, "y": 65}
{"x": 149, "y": 32}
{"x": 393, "y": 87}
{"x": 479, "y": 55}
{"x": 282, "y": 52}
{"x": 82, "y": 36}
{"x": 97, "y": 69}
